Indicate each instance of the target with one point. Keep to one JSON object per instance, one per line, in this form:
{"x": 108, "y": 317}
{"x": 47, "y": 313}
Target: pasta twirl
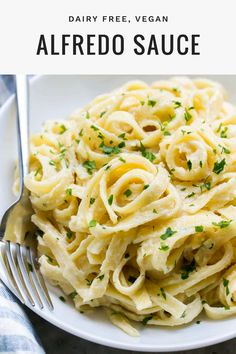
{"x": 135, "y": 197}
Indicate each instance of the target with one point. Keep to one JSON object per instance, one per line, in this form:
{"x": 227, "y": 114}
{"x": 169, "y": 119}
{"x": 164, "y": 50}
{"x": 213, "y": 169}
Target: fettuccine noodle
{"x": 135, "y": 199}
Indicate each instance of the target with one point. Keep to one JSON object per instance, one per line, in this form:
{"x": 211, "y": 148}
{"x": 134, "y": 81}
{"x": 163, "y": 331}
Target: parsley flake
{"x": 94, "y": 128}
{"x": 92, "y": 223}
{"x": 69, "y": 191}
{"x": 109, "y": 149}
{"x": 226, "y": 285}
{"x": 147, "y": 154}
{"x": 199, "y": 228}
{"x": 190, "y": 195}
{"x": 219, "y": 166}
{"x": 102, "y": 114}
{"x": 163, "y": 294}
{"x": 63, "y": 129}
{"x": 110, "y": 199}
{"x": 151, "y": 103}
{"x": 222, "y": 224}
{"x": 177, "y": 104}
{"x": 163, "y": 247}
{"x": 189, "y": 165}
{"x": 69, "y": 234}
{"x": 127, "y": 193}
{"x": 92, "y": 200}
{"x": 187, "y": 114}
{"x": 89, "y": 166}
{"x": 73, "y": 295}
{"x": 168, "y": 233}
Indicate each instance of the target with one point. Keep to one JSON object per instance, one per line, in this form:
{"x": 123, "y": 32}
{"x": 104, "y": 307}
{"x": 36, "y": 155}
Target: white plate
{"x": 56, "y": 97}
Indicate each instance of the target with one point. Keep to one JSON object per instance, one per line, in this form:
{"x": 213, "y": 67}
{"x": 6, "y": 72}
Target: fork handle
{"x": 22, "y": 124}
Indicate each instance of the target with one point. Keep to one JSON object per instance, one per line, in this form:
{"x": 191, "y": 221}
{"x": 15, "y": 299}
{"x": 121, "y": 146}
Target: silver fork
{"x": 19, "y": 266}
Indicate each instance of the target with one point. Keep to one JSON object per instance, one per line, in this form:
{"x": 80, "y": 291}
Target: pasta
{"x": 134, "y": 199}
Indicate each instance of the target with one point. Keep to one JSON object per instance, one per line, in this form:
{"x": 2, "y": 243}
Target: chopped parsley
{"x": 100, "y": 136}
{"x": 102, "y": 114}
{"x": 92, "y": 223}
{"x": 73, "y": 295}
{"x": 39, "y": 170}
{"x": 190, "y": 195}
{"x": 205, "y": 185}
{"x": 163, "y": 294}
{"x": 151, "y": 103}
{"x": 109, "y": 149}
{"x": 121, "y": 145}
{"x": 62, "y": 298}
{"x": 69, "y": 234}
{"x": 89, "y": 282}
{"x": 122, "y": 136}
{"x": 177, "y": 104}
{"x": 121, "y": 159}
{"x": 94, "y": 128}
{"x": 69, "y": 191}
{"x": 90, "y": 166}
{"x": 219, "y": 166}
{"x": 167, "y": 133}
{"x": 87, "y": 115}
{"x": 155, "y": 211}
{"x": 110, "y": 199}
{"x": 63, "y": 129}
{"x": 145, "y": 186}
{"x": 199, "y": 228}
{"x": 164, "y": 247}
{"x": 147, "y": 154}
{"x": 222, "y": 224}
{"x": 128, "y": 193}
{"x": 223, "y": 133}
{"x": 101, "y": 277}
{"x": 225, "y": 150}
{"x": 187, "y": 114}
{"x": 52, "y": 163}
{"x": 189, "y": 165}
{"x": 226, "y": 285}
{"x": 168, "y": 233}
{"x": 200, "y": 164}
{"x": 92, "y": 200}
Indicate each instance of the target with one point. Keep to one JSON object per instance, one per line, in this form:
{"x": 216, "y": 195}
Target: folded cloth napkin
{"x": 16, "y": 332}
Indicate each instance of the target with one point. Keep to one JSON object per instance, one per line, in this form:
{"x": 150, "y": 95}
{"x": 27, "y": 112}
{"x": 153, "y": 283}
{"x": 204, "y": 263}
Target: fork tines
{"x": 24, "y": 275}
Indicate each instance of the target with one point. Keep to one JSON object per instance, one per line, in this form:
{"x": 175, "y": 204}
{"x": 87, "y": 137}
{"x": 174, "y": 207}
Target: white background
{"x": 22, "y": 21}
